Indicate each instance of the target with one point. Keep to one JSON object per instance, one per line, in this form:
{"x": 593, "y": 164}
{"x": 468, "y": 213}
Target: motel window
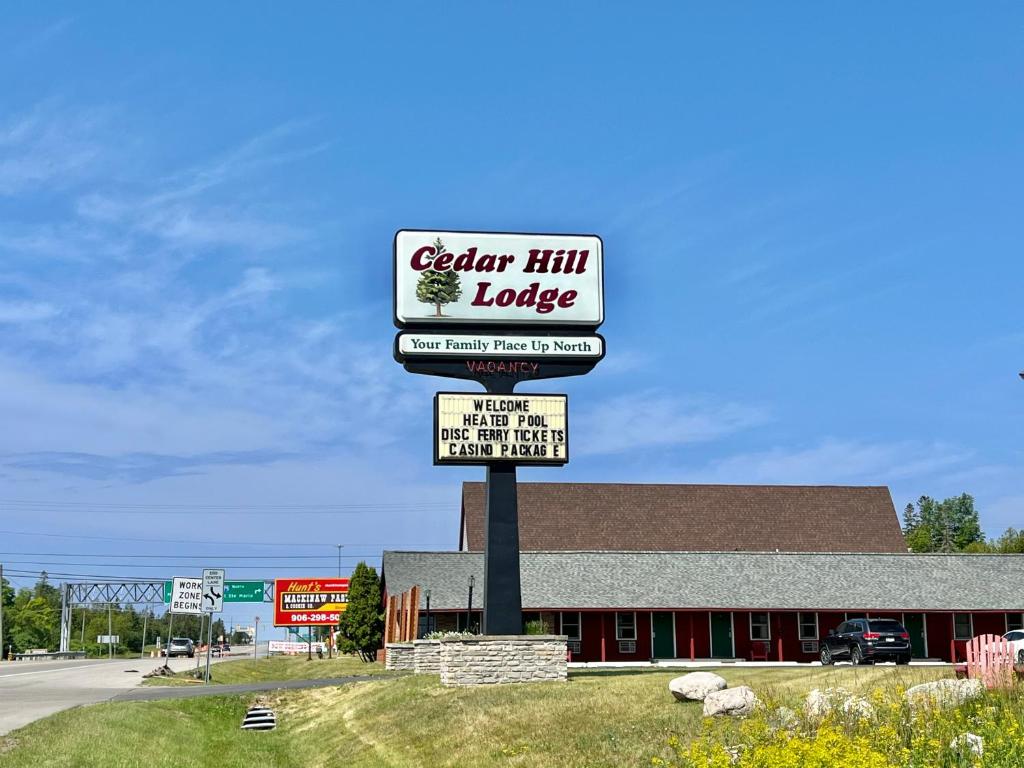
{"x": 759, "y": 627}
{"x": 1014, "y": 621}
{"x": 962, "y": 629}
{"x": 571, "y": 625}
{"x": 625, "y": 626}
{"x": 808, "y": 625}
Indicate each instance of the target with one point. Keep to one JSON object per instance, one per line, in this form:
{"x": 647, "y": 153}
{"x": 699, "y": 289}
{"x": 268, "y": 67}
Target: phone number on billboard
{"x": 329, "y": 617}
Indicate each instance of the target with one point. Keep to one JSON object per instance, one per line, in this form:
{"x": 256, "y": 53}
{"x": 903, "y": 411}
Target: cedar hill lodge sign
{"x": 496, "y": 279}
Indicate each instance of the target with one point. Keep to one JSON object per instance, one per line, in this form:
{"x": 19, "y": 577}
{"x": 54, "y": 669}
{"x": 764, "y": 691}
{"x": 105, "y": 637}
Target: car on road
{"x": 180, "y": 646}
{"x": 862, "y": 641}
{"x": 1016, "y": 638}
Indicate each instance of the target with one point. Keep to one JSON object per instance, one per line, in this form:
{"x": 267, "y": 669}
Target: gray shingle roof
{"x": 725, "y": 580}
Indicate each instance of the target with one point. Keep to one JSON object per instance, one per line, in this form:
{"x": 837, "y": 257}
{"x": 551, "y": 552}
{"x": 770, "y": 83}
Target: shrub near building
{"x": 362, "y": 623}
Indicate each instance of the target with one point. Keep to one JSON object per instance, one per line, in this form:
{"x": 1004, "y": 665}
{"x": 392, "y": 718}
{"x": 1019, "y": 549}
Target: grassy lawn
{"x": 596, "y": 719}
{"x": 277, "y": 668}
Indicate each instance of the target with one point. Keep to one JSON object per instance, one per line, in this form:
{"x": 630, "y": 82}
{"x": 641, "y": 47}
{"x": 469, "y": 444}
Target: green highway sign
{"x": 234, "y": 591}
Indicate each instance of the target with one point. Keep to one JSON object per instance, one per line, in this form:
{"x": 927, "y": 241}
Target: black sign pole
{"x": 503, "y": 598}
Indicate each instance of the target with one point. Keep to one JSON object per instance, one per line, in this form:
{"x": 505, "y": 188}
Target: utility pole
{"x": 199, "y": 654}
{"x": 110, "y": 630}
{"x": 145, "y": 618}
{"x": 1, "y": 611}
{"x": 339, "y": 559}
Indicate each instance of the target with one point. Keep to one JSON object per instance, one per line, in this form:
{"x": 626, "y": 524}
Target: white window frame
{"x": 767, "y": 625}
{"x": 800, "y": 625}
{"x": 1018, "y": 623}
{"x": 970, "y": 624}
{"x": 618, "y": 629}
{"x": 579, "y": 624}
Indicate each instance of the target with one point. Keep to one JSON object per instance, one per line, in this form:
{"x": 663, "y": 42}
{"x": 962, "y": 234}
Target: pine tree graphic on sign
{"x": 438, "y": 288}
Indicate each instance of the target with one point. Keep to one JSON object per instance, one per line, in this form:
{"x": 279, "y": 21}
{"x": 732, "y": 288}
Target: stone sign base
{"x": 483, "y": 659}
{"x": 426, "y": 657}
{"x": 400, "y": 656}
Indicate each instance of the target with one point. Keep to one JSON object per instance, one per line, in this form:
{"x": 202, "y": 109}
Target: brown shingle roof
{"x": 693, "y": 518}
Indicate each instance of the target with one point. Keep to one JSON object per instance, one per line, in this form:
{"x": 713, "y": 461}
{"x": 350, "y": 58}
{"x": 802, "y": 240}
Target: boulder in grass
{"x": 948, "y": 692}
{"x": 820, "y": 702}
{"x": 968, "y": 744}
{"x": 695, "y": 686}
{"x": 736, "y": 702}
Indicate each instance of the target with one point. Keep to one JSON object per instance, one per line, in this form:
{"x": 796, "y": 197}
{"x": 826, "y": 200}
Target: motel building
{"x": 688, "y": 572}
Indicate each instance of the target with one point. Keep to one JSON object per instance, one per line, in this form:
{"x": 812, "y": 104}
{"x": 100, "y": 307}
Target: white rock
{"x": 695, "y": 686}
{"x": 968, "y": 743}
{"x": 945, "y": 693}
{"x": 858, "y": 707}
{"x": 820, "y": 702}
{"x": 732, "y": 701}
{"x": 783, "y": 719}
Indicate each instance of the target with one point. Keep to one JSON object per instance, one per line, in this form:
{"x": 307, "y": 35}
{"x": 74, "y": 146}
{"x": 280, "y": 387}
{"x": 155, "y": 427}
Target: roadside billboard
{"x": 309, "y": 602}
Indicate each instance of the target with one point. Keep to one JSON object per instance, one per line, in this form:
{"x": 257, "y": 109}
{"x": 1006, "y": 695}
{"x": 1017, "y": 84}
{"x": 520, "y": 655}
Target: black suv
{"x": 866, "y": 640}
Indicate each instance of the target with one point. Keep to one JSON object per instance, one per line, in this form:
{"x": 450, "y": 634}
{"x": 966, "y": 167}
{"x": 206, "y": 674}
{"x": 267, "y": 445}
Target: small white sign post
{"x": 213, "y": 602}
{"x": 213, "y": 590}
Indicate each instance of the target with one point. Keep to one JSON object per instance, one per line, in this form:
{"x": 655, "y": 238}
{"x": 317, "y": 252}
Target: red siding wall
{"x": 741, "y": 634}
{"x": 940, "y": 631}
{"x": 784, "y": 627}
{"x": 698, "y": 621}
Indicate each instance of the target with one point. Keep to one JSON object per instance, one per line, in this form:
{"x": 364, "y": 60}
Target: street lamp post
{"x": 469, "y": 609}
{"x": 339, "y": 559}
{"x": 427, "y": 627}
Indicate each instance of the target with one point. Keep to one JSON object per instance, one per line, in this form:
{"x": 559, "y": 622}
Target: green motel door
{"x": 914, "y": 624}
{"x": 663, "y": 627}
{"x": 721, "y": 635}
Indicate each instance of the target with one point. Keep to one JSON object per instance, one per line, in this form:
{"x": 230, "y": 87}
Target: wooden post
{"x": 388, "y": 607}
{"x": 693, "y": 650}
{"x": 778, "y": 633}
{"x": 603, "y": 655}
{"x": 414, "y": 613}
{"x": 403, "y": 627}
{"x": 393, "y": 631}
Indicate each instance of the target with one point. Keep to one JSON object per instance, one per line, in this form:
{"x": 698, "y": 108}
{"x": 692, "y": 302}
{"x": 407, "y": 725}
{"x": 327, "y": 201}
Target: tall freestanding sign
{"x": 499, "y": 308}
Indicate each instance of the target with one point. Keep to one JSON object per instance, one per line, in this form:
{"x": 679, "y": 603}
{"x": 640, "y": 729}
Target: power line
{"x": 206, "y": 556}
{"x": 138, "y": 565}
{"x": 172, "y": 541}
{"x": 106, "y": 506}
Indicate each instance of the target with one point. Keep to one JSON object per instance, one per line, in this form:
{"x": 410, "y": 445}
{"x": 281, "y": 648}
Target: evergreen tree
{"x": 362, "y": 623}
{"x": 438, "y": 288}
{"x": 951, "y": 525}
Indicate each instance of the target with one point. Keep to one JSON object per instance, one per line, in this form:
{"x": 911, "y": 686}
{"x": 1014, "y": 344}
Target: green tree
{"x": 1011, "y": 542}
{"x": 362, "y": 623}
{"x": 7, "y": 598}
{"x": 950, "y": 525}
{"x": 35, "y": 623}
{"x": 438, "y": 288}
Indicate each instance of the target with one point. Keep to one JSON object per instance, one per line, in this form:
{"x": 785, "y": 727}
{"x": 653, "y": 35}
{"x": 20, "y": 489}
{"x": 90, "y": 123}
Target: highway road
{"x": 30, "y": 690}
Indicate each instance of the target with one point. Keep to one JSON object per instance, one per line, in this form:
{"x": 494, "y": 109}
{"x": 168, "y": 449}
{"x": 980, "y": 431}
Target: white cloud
{"x": 648, "y": 419}
{"x": 25, "y": 311}
{"x": 832, "y": 462}
{"x": 48, "y": 146}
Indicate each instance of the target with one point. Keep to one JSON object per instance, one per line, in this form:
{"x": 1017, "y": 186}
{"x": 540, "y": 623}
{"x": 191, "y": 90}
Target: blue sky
{"x": 811, "y": 220}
